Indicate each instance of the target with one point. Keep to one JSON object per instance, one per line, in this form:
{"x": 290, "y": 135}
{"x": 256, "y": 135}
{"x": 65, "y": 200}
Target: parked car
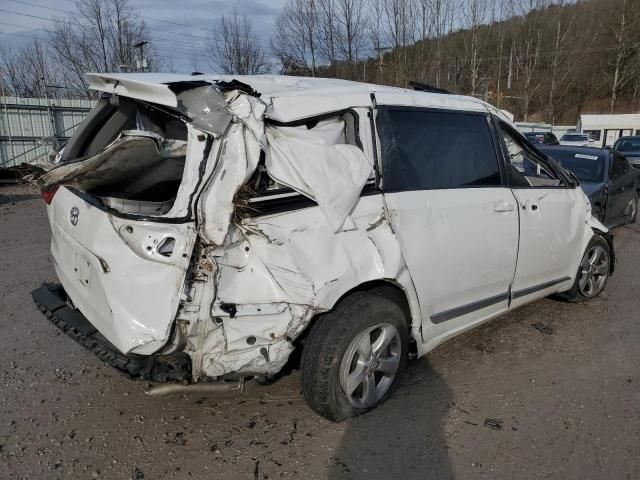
{"x": 606, "y": 177}
{"x": 576, "y": 140}
{"x": 546, "y": 138}
{"x": 204, "y": 228}
{"x": 630, "y": 148}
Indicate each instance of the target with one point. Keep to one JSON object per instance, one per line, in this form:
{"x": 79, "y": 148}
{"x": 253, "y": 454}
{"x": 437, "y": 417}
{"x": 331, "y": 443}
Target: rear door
{"x": 124, "y": 268}
{"x": 552, "y": 220}
{"x": 124, "y": 274}
{"x": 456, "y": 223}
{"x": 622, "y": 190}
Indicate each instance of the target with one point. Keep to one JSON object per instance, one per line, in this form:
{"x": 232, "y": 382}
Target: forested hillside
{"x": 542, "y": 60}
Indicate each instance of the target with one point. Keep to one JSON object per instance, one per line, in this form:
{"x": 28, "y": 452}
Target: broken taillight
{"x": 48, "y": 194}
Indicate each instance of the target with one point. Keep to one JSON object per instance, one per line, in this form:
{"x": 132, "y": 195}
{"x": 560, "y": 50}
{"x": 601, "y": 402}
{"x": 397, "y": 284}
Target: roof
{"x": 570, "y": 148}
{"x": 283, "y": 94}
{"x": 609, "y": 121}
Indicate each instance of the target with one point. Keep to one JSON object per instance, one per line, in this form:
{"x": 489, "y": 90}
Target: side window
{"x": 594, "y": 134}
{"x": 525, "y": 168}
{"x": 619, "y": 167}
{"x": 427, "y": 149}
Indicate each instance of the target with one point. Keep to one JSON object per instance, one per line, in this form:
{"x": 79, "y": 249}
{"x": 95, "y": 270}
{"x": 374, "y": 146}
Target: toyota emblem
{"x": 73, "y": 216}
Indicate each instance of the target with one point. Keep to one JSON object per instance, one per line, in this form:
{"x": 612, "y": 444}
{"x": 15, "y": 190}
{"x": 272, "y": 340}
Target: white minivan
{"x": 205, "y": 227}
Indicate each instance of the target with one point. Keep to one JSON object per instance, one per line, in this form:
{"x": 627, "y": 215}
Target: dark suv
{"x": 546, "y": 138}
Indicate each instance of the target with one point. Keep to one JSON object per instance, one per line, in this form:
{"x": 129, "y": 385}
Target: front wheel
{"x": 593, "y": 272}
{"x": 354, "y": 355}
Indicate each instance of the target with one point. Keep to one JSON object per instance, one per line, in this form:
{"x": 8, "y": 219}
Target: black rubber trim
{"x": 469, "y": 308}
{"x": 51, "y": 300}
{"x": 536, "y": 288}
{"x": 270, "y": 206}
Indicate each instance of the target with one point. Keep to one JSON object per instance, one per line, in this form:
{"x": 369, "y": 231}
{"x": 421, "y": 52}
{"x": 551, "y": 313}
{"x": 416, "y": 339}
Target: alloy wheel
{"x": 594, "y": 271}
{"x": 370, "y": 365}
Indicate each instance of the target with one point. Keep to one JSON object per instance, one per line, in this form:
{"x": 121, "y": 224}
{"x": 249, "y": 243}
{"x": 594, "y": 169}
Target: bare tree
{"x": 474, "y": 16}
{"x": 564, "y": 23}
{"x": 400, "y": 29}
{"x": 26, "y": 72}
{"x": 234, "y": 49}
{"x": 529, "y": 43}
{"x": 295, "y": 38}
{"x": 327, "y": 33}
{"x": 100, "y": 38}
{"x": 441, "y": 13}
{"x": 350, "y": 18}
{"x": 375, "y": 32}
{"x": 620, "y": 23}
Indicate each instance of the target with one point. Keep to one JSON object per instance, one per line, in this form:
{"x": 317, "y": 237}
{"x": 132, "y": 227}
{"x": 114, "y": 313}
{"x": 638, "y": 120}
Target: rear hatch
{"x": 125, "y": 276}
{"x": 121, "y": 205}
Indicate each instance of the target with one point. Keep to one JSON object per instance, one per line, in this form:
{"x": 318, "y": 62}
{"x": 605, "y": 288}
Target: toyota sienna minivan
{"x": 206, "y": 227}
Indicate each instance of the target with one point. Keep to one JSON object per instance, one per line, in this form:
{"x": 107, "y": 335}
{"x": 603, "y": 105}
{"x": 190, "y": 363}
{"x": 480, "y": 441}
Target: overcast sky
{"x": 180, "y": 42}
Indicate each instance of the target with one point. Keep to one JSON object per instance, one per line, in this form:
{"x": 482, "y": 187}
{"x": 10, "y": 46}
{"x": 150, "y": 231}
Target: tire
{"x": 336, "y": 356}
{"x": 593, "y": 271}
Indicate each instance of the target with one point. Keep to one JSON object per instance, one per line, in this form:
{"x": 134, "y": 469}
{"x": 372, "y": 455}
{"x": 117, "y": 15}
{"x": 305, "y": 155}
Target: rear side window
{"x": 106, "y": 121}
{"x": 619, "y": 166}
{"x": 428, "y": 149}
{"x": 525, "y": 167}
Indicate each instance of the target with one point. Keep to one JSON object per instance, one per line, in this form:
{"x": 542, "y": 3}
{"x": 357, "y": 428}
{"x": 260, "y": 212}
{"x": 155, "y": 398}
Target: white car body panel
{"x": 242, "y": 289}
{"x": 552, "y": 239}
{"x": 449, "y": 241}
{"x": 117, "y": 278}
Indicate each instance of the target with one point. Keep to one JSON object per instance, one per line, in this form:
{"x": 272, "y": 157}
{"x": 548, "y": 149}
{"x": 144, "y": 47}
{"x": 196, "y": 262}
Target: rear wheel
{"x": 354, "y": 356}
{"x": 593, "y": 271}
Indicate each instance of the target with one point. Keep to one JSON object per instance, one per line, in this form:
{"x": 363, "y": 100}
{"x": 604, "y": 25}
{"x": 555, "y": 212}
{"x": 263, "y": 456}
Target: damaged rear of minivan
{"x": 121, "y": 205}
{"x": 199, "y": 227}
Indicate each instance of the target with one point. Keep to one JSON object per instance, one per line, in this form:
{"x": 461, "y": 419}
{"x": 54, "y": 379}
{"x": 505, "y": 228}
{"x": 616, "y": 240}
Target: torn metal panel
{"x": 320, "y": 165}
{"x": 206, "y": 107}
{"x": 240, "y": 153}
{"x": 195, "y": 98}
{"x": 141, "y": 87}
{"x": 114, "y": 162}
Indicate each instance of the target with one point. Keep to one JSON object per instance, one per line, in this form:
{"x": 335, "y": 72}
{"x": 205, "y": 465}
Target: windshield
{"x": 575, "y": 138}
{"x": 588, "y": 167}
{"x": 628, "y": 144}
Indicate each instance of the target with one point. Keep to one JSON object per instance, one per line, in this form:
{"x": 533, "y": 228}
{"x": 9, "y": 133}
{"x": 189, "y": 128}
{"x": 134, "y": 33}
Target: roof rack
{"x": 425, "y": 87}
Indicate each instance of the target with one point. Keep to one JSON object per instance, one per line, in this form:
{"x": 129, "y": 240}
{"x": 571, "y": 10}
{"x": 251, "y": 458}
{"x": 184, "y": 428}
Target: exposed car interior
{"x": 136, "y": 153}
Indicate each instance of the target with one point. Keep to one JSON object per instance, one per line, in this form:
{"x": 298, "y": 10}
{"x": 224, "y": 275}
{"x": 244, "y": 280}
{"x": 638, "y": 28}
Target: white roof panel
{"x": 283, "y": 93}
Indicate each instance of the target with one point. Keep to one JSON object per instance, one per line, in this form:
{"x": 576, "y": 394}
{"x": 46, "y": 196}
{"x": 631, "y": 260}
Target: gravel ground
{"x": 549, "y": 391}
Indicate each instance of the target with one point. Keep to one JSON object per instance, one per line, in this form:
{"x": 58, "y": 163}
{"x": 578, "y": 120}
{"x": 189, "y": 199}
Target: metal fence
{"x": 29, "y": 127}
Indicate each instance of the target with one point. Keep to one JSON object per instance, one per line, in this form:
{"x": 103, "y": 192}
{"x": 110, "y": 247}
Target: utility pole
{"x": 141, "y": 64}
{"x": 50, "y": 110}
{"x": 380, "y": 51}
{"x": 52, "y": 116}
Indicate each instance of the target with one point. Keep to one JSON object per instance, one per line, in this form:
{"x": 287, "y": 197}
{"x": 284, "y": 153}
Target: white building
{"x": 606, "y": 129}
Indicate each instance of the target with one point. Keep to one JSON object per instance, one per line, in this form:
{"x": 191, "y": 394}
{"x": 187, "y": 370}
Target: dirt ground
{"x": 505, "y": 401}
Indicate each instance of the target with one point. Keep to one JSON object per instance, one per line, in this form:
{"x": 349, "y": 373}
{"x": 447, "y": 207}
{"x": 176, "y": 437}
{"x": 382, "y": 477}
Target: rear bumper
{"x": 51, "y": 300}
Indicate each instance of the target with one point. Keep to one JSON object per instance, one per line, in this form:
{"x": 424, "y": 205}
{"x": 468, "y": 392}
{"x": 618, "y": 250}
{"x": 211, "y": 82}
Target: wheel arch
{"x": 608, "y": 236}
{"x": 393, "y": 289}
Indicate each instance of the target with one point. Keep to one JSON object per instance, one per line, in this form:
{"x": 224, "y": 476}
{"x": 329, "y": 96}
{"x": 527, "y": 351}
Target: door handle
{"x": 503, "y": 206}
